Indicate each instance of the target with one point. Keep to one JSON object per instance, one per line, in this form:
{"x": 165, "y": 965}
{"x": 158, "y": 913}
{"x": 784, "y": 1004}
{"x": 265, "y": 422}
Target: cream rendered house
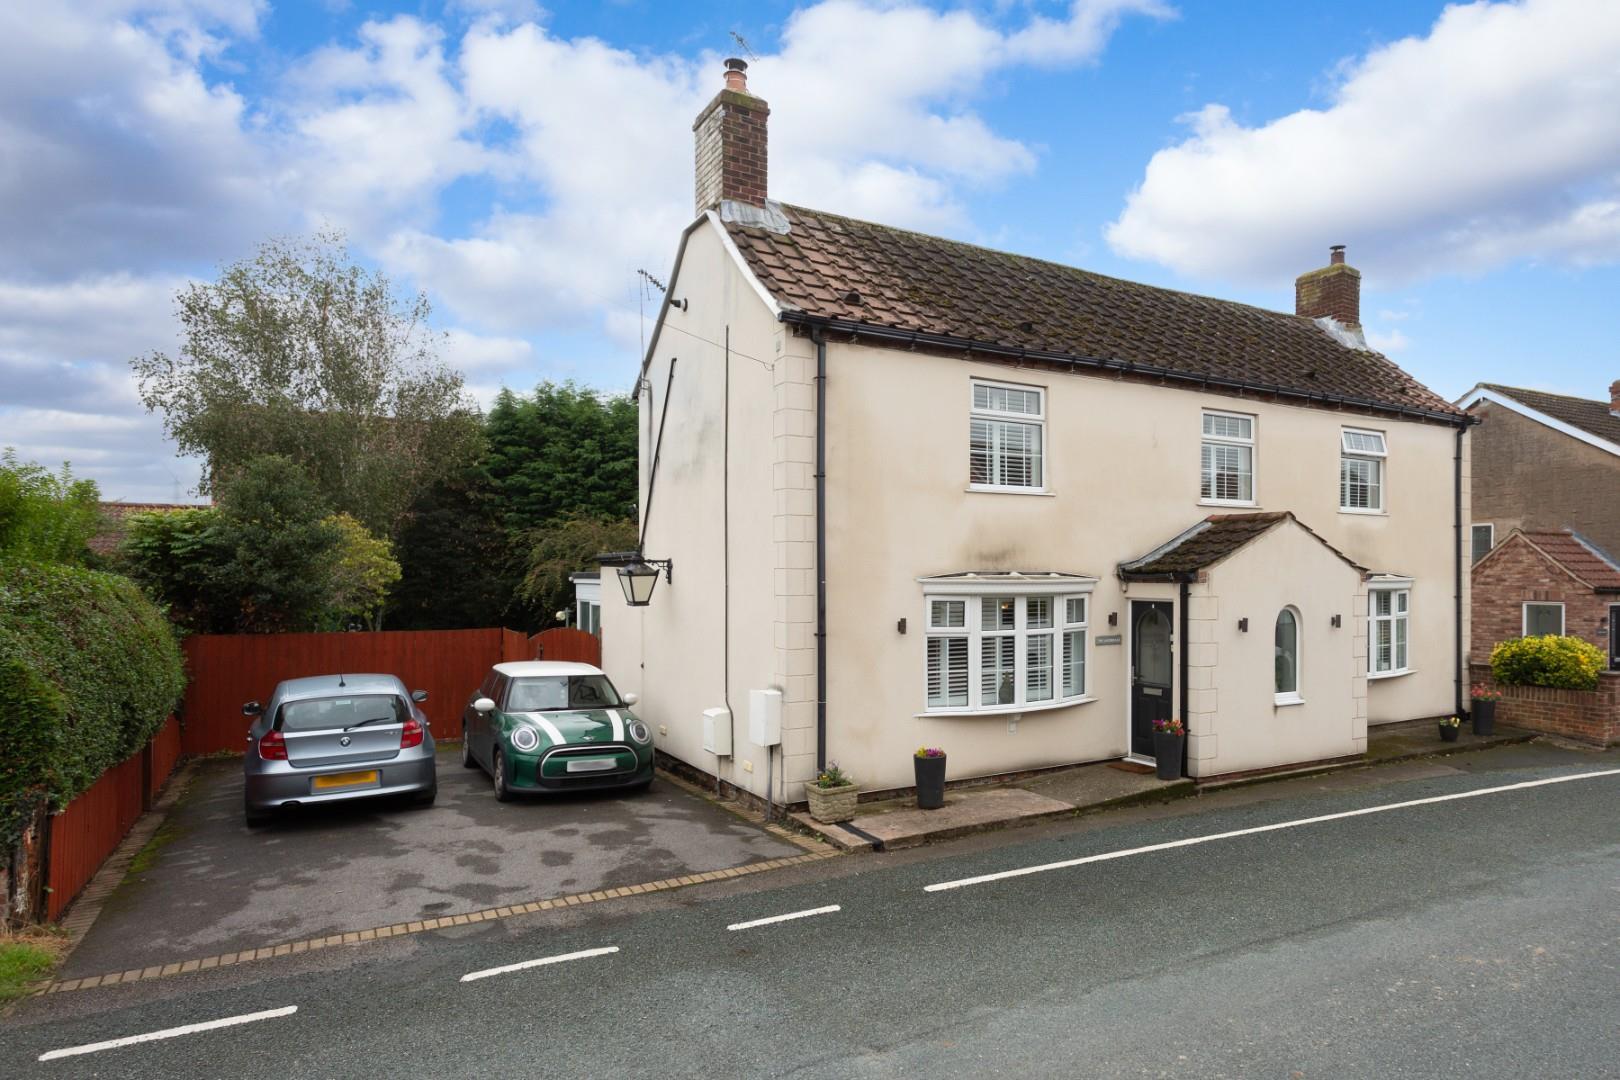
{"x": 913, "y": 492}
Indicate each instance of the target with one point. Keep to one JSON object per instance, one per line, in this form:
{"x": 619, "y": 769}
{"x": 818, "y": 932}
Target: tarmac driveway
{"x": 207, "y": 884}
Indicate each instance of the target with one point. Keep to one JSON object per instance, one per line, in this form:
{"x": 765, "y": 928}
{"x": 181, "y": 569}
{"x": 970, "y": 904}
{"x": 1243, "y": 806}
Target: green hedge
{"x": 1565, "y": 663}
{"x": 89, "y": 670}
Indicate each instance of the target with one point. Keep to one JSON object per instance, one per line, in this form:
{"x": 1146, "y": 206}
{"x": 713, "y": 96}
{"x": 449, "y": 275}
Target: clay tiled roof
{"x": 836, "y": 268}
{"x": 107, "y": 538}
{"x": 1579, "y": 556}
{"x": 1207, "y": 543}
{"x": 1592, "y": 417}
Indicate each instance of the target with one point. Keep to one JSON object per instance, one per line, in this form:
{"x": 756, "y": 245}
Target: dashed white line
{"x": 1194, "y": 840}
{"x": 750, "y": 924}
{"x": 542, "y": 962}
{"x": 168, "y": 1033}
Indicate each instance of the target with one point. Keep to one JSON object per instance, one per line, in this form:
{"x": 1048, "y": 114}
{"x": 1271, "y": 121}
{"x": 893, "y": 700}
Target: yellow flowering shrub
{"x": 1565, "y": 663}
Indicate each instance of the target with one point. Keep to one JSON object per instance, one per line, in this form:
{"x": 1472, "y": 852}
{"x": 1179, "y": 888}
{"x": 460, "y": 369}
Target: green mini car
{"x": 541, "y": 726}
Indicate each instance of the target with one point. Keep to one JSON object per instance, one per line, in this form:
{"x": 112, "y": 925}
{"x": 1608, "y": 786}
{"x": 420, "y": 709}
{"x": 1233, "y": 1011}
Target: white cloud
{"x": 1496, "y": 137}
{"x": 1387, "y": 341}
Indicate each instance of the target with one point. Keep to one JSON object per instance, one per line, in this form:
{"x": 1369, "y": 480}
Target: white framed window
{"x": 1361, "y": 471}
{"x": 1286, "y": 658}
{"x": 1226, "y": 460}
{"x": 1007, "y": 438}
{"x": 588, "y": 616}
{"x": 1002, "y": 650}
{"x": 1484, "y": 538}
{"x": 1542, "y": 619}
{"x": 1389, "y": 614}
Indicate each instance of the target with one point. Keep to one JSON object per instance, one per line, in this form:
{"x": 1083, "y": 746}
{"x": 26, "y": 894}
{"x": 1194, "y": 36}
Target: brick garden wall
{"x": 1589, "y": 716}
{"x": 1517, "y": 573}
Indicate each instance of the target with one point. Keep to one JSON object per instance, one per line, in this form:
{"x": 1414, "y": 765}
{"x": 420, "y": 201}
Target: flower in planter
{"x": 1172, "y": 726}
{"x": 832, "y": 776}
{"x": 930, "y": 751}
{"x": 1451, "y": 721}
{"x": 1482, "y": 692}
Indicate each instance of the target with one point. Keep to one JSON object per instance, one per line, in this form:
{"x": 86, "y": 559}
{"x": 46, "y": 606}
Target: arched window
{"x": 1287, "y": 657}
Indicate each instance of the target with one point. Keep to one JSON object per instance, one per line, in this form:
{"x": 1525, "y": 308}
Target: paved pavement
{"x": 1458, "y": 935}
{"x": 210, "y": 885}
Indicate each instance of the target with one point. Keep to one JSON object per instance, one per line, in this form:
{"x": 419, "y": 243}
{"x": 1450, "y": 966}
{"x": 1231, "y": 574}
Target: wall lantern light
{"x": 1113, "y": 618}
{"x": 638, "y": 579}
{"x": 1336, "y": 622}
{"x": 1243, "y": 625}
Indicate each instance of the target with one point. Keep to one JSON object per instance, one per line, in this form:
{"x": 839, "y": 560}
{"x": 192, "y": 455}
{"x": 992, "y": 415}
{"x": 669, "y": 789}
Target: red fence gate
{"x": 566, "y": 643}
{"x": 229, "y": 669}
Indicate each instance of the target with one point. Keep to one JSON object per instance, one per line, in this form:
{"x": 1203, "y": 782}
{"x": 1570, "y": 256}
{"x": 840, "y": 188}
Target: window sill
{"x": 1250, "y": 504}
{"x": 990, "y": 489}
{"x": 1010, "y": 710}
{"x": 1284, "y": 700}
{"x": 1373, "y": 675}
{"x": 1363, "y": 513}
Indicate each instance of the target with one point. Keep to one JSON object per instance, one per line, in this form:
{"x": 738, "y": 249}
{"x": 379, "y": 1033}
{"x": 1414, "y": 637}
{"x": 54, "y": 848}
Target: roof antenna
{"x": 742, "y": 44}
{"x": 340, "y": 680}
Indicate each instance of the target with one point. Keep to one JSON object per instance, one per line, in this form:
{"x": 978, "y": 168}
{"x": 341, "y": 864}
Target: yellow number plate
{"x": 344, "y": 779}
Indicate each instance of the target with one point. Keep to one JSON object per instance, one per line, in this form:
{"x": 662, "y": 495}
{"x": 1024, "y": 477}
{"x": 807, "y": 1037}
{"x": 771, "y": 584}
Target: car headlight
{"x": 639, "y": 732}
{"x": 525, "y": 738}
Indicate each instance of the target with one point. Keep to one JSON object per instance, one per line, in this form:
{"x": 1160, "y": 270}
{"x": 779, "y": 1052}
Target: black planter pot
{"x": 1167, "y": 755}
{"x": 1484, "y": 717}
{"x": 930, "y": 782}
{"x": 1448, "y": 732}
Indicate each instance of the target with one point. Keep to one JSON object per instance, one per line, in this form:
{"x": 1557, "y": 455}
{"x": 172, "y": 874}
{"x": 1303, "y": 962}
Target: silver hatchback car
{"x": 336, "y": 737}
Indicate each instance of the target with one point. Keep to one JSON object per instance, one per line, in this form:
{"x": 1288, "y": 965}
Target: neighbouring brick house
{"x": 113, "y": 521}
{"x": 1546, "y": 582}
{"x": 1544, "y": 461}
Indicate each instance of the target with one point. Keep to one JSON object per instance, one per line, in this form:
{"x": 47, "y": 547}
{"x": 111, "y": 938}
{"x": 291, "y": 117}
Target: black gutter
{"x": 1457, "y": 555}
{"x": 821, "y": 547}
{"x": 1172, "y": 576}
{"x": 915, "y": 339}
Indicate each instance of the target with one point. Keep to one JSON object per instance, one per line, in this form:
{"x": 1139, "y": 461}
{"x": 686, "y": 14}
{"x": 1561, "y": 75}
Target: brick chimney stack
{"x": 1614, "y": 397}
{"x": 729, "y": 137}
{"x": 1334, "y": 291}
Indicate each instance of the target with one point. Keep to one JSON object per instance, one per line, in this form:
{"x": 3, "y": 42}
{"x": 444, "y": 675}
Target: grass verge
{"x": 27, "y": 957}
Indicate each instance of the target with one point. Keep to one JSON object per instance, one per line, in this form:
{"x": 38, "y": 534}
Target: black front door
{"x": 1152, "y": 668}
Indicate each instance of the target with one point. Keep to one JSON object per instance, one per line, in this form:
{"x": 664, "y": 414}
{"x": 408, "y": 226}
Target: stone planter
{"x": 1484, "y": 716}
{"x": 930, "y": 773}
{"x": 1167, "y": 755}
{"x": 831, "y": 804}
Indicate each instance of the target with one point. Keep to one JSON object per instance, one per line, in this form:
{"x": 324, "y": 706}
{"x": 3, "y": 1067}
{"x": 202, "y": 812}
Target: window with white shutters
{"x": 1388, "y": 637}
{"x": 1226, "y": 460}
{"x": 1361, "y": 471}
{"x": 1005, "y": 651}
{"x": 1006, "y": 437}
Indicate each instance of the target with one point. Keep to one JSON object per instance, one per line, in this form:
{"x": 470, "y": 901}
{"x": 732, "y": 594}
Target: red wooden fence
{"x": 566, "y": 643}
{"x": 165, "y": 755}
{"x": 229, "y": 669}
{"x": 89, "y": 828}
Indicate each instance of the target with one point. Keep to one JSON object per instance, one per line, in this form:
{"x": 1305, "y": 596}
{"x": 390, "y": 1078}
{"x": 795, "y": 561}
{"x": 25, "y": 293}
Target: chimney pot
{"x": 1336, "y": 255}
{"x": 730, "y": 144}
{"x": 737, "y": 75}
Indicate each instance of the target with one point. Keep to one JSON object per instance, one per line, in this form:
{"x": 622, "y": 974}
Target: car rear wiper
{"x": 375, "y": 720}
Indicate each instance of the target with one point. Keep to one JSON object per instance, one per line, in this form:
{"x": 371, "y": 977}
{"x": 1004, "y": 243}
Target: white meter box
{"x": 765, "y": 717}
{"x": 717, "y": 731}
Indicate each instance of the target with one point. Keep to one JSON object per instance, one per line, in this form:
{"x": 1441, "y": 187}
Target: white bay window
{"x": 1389, "y": 614}
{"x": 1005, "y": 642}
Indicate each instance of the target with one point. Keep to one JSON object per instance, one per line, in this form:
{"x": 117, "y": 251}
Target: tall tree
{"x": 45, "y": 516}
{"x": 299, "y": 352}
{"x": 458, "y": 568}
{"x": 565, "y": 547}
{"x": 562, "y": 450}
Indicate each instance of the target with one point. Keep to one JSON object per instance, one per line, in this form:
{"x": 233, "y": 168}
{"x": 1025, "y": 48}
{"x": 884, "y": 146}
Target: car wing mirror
{"x": 630, "y": 698}
{"x": 484, "y": 704}
{"x": 252, "y": 708}
{"x": 419, "y": 696}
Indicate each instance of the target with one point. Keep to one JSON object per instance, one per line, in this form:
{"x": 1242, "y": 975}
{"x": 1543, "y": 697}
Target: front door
{"x": 1614, "y": 637}
{"x": 1152, "y": 668}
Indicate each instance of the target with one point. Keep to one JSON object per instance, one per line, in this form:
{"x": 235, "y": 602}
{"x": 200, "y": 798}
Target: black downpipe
{"x": 1181, "y": 661}
{"x": 820, "y": 339}
{"x": 1457, "y": 555}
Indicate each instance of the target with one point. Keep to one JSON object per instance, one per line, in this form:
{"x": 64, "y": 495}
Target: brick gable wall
{"x": 1517, "y": 573}
{"x": 1528, "y": 476}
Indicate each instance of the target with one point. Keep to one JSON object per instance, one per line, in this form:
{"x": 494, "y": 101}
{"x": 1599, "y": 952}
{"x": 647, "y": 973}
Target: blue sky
{"x": 520, "y": 163}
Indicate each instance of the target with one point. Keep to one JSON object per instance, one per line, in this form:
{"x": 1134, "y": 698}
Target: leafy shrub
{"x": 45, "y": 516}
{"x": 89, "y": 670}
{"x": 1565, "y": 663}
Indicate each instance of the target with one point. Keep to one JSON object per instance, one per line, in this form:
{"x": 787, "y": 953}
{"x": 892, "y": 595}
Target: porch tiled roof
{"x": 1579, "y": 556}
{"x": 1210, "y": 541}
{"x": 1592, "y": 417}
{"x": 832, "y": 267}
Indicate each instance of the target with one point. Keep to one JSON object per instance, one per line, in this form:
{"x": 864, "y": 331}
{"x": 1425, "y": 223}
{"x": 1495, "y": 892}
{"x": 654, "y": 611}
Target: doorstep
{"x": 897, "y": 823}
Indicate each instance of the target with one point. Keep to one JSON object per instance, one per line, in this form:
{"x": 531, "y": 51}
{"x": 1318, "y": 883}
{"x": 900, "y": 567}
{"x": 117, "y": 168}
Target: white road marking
{"x": 1194, "y": 840}
{"x": 829, "y": 909}
{"x": 542, "y": 962}
{"x": 168, "y": 1033}
{"x": 618, "y": 725}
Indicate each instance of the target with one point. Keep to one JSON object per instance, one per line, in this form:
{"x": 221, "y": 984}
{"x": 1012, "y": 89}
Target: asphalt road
{"x": 210, "y": 885}
{"x": 1466, "y": 937}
